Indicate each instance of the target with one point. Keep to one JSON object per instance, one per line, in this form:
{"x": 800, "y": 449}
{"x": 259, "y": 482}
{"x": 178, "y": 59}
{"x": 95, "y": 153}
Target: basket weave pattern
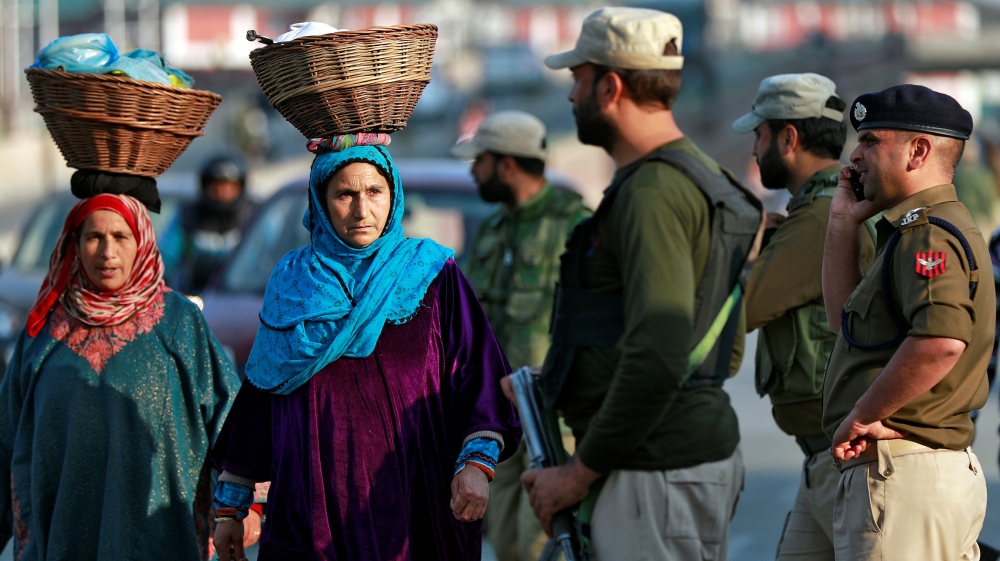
{"x": 350, "y": 81}
{"x": 116, "y": 124}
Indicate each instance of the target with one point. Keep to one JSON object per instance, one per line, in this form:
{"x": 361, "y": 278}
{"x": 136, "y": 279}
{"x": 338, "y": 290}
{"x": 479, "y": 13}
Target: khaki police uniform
{"x": 922, "y": 497}
{"x": 785, "y": 302}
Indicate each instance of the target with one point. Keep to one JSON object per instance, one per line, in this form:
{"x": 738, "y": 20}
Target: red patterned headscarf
{"x": 68, "y": 284}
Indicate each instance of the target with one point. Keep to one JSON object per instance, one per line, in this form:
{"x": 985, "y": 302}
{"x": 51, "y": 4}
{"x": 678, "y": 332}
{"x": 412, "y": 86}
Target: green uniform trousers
{"x": 511, "y": 526}
{"x": 808, "y": 533}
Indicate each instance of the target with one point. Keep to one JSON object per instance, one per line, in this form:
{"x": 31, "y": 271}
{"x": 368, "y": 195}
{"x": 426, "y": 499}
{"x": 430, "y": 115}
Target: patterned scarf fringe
{"x": 340, "y": 142}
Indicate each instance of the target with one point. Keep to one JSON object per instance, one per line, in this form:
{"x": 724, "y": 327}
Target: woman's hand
{"x": 251, "y": 528}
{"x": 470, "y": 491}
{"x": 229, "y": 540}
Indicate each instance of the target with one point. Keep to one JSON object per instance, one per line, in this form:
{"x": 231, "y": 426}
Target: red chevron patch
{"x": 930, "y": 263}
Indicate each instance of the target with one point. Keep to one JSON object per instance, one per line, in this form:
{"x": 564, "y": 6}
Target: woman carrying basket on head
{"x": 114, "y": 393}
{"x": 372, "y": 400}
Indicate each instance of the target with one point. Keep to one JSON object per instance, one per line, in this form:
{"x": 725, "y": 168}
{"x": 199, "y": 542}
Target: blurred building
{"x": 489, "y": 54}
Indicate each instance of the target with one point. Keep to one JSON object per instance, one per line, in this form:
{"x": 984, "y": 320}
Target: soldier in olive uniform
{"x": 799, "y": 127}
{"x": 915, "y": 337}
{"x": 647, "y": 312}
{"x": 513, "y": 266}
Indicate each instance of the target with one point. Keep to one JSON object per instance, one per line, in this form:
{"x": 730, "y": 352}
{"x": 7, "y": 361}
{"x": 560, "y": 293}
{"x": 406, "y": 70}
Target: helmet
{"x": 226, "y": 168}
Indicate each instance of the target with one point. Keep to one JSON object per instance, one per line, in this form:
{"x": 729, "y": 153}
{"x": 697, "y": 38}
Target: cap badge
{"x": 860, "y": 112}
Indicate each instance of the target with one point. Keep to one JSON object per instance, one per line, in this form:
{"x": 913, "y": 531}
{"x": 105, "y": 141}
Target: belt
{"x": 891, "y": 448}
{"x": 813, "y": 444}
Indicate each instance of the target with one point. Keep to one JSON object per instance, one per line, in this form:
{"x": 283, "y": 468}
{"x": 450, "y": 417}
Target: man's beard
{"x": 774, "y": 171}
{"x": 591, "y": 126}
{"x": 493, "y": 190}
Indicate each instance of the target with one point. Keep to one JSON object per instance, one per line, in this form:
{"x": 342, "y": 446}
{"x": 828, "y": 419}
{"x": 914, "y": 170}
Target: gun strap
{"x": 585, "y": 512}
{"x": 700, "y": 352}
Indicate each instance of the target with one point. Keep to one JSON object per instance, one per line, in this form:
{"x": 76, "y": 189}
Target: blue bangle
{"x": 483, "y": 452}
{"x": 233, "y": 495}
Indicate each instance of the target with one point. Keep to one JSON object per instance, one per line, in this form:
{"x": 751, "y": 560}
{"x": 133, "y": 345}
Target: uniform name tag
{"x": 930, "y": 263}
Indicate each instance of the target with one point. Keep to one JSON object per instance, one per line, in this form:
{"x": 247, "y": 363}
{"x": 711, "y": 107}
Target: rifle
{"x": 543, "y": 453}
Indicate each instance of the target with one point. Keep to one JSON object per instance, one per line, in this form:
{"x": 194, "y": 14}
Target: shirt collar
{"x": 891, "y": 219}
{"x": 925, "y": 198}
{"x": 529, "y": 209}
{"x": 826, "y": 177}
{"x": 821, "y": 179}
{"x": 534, "y": 206}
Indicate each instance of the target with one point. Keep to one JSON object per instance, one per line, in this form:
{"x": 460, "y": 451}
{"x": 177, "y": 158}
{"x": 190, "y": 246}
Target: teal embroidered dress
{"x": 104, "y": 433}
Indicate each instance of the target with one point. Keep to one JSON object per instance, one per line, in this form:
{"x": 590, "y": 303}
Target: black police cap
{"x": 912, "y": 108}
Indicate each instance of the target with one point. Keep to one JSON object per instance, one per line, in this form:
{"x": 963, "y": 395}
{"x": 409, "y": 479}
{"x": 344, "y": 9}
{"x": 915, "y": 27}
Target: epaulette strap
{"x": 886, "y": 268}
{"x": 567, "y": 203}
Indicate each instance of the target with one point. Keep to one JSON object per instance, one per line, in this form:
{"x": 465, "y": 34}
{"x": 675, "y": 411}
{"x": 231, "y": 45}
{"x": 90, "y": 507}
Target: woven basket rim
{"x": 377, "y": 32}
{"x": 112, "y": 79}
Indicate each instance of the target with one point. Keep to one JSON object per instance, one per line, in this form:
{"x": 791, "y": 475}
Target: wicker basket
{"x": 117, "y": 124}
{"x": 350, "y": 81}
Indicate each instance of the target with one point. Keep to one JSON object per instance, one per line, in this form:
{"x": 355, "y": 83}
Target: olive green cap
{"x": 626, "y": 38}
{"x": 790, "y": 96}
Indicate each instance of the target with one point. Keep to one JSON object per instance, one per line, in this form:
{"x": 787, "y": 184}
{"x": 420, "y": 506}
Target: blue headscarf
{"x": 327, "y": 300}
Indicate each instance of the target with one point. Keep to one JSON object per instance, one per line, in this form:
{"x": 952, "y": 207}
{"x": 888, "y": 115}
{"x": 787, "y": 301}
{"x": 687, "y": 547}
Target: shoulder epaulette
{"x": 566, "y": 201}
{"x": 912, "y": 218}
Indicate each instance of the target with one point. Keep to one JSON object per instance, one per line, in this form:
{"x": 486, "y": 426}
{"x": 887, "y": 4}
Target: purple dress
{"x": 361, "y": 457}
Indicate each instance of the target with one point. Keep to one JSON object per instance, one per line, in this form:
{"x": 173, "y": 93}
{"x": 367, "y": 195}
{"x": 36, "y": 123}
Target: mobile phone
{"x": 859, "y": 189}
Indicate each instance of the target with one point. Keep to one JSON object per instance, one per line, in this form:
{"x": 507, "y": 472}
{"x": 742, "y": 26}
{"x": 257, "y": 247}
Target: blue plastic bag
{"x": 175, "y": 77}
{"x": 95, "y": 53}
{"x": 137, "y": 69}
{"x": 87, "y": 52}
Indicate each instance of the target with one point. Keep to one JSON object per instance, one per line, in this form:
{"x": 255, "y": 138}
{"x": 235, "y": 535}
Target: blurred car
{"x": 512, "y": 69}
{"x": 442, "y": 203}
{"x": 19, "y": 282}
{"x": 436, "y": 101}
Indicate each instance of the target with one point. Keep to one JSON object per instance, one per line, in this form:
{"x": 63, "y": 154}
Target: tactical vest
{"x": 792, "y": 350}
{"x": 584, "y": 318}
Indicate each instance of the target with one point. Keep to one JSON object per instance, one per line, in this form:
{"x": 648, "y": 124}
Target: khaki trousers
{"x": 511, "y": 526}
{"x": 808, "y": 533}
{"x": 913, "y": 506}
{"x": 672, "y": 515}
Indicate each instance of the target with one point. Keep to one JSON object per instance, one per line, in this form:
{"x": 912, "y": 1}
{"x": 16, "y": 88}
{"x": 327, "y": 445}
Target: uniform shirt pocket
{"x": 857, "y": 321}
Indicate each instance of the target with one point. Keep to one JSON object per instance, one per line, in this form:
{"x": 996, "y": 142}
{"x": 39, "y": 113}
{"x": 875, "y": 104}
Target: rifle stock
{"x": 542, "y": 454}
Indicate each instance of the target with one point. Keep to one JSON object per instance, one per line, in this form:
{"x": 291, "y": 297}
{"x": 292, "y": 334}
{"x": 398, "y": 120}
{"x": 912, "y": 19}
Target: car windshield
{"x": 39, "y": 238}
{"x": 447, "y": 216}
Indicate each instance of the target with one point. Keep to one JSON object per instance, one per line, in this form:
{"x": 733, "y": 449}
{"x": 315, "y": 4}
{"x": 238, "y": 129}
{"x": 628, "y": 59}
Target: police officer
{"x": 915, "y": 336}
{"x": 634, "y": 367}
{"x": 513, "y": 267}
{"x": 800, "y": 130}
